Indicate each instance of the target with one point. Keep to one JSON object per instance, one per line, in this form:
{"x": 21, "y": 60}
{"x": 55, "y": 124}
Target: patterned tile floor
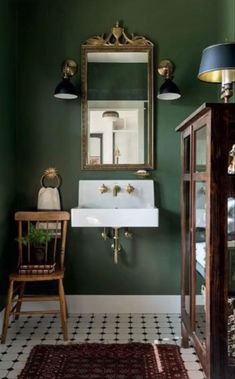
{"x": 26, "y": 332}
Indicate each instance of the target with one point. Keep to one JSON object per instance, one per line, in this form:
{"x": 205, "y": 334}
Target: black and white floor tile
{"x": 26, "y": 332}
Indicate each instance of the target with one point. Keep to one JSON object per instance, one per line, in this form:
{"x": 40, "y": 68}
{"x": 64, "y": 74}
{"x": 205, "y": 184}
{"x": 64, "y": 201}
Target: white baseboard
{"x": 123, "y": 303}
{"x": 114, "y": 304}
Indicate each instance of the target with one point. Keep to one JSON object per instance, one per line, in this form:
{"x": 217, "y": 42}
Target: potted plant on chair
{"x": 37, "y": 240}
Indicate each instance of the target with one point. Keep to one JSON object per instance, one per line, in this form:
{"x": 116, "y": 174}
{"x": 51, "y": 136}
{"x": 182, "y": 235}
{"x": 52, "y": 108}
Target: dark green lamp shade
{"x": 168, "y": 91}
{"x": 65, "y": 90}
{"x": 218, "y": 64}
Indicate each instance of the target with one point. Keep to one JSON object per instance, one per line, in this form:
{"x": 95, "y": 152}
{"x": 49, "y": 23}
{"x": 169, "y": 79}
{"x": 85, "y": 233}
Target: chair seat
{"x": 15, "y": 276}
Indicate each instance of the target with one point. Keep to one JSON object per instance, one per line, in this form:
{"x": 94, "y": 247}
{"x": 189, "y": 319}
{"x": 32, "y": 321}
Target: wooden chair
{"x": 47, "y": 267}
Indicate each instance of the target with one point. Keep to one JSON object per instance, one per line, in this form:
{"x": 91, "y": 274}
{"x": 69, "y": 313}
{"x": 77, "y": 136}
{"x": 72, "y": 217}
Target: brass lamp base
{"x": 226, "y": 92}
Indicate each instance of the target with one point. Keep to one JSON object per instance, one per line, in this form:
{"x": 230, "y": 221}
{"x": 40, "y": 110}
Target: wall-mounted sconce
{"x": 218, "y": 66}
{"x": 65, "y": 89}
{"x": 168, "y": 90}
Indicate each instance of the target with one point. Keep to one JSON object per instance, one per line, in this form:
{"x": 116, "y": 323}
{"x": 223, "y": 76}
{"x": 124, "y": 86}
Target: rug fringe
{"x": 158, "y": 359}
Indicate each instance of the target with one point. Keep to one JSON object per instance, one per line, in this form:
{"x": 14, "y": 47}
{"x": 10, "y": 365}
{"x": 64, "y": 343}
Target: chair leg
{"x": 7, "y": 311}
{"x": 19, "y": 300}
{"x": 63, "y": 310}
{"x": 66, "y": 308}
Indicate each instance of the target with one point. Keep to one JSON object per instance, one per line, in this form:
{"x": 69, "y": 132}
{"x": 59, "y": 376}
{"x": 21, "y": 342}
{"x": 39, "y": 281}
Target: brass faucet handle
{"x": 129, "y": 188}
{"x": 103, "y": 189}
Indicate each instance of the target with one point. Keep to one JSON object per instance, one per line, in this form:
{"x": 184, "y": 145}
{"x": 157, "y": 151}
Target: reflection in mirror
{"x": 96, "y": 148}
{"x": 122, "y": 136}
{"x": 117, "y": 101}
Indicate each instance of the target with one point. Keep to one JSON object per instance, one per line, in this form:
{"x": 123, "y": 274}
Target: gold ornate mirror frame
{"x": 118, "y": 41}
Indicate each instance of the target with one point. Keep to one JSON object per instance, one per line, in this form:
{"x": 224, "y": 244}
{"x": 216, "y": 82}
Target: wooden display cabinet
{"x": 208, "y": 237}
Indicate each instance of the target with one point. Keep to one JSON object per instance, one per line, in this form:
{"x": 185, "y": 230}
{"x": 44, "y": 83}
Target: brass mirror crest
{"x": 118, "y": 37}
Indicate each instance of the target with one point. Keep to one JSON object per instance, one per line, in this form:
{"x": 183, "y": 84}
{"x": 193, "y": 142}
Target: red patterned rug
{"x": 104, "y": 361}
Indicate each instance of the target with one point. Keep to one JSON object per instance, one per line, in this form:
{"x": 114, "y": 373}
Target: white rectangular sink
{"x": 110, "y": 209}
{"x": 115, "y": 218}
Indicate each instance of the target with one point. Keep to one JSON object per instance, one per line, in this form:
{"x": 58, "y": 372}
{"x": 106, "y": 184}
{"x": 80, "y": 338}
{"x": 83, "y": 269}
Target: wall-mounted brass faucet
{"x": 116, "y": 189}
{"x": 103, "y": 189}
{"x": 129, "y": 188}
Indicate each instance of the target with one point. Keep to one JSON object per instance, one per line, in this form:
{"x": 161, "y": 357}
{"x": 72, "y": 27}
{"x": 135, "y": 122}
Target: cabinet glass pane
{"x": 200, "y": 149}
{"x": 200, "y": 258}
{"x": 231, "y": 278}
{"x": 187, "y": 154}
{"x": 187, "y": 246}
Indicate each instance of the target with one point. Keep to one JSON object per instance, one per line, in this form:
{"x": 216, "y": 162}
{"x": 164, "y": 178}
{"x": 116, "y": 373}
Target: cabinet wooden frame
{"x": 219, "y": 120}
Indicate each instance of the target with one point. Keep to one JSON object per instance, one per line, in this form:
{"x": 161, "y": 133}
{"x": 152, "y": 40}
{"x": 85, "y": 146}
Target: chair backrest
{"x": 41, "y": 241}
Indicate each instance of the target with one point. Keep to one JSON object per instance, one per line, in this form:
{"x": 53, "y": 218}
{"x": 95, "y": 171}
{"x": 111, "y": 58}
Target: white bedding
{"x": 201, "y": 257}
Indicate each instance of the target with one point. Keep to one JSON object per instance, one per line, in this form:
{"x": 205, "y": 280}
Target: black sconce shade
{"x": 65, "y": 90}
{"x": 168, "y": 91}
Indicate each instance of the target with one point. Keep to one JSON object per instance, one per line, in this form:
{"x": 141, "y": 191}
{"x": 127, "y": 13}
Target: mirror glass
{"x": 117, "y": 103}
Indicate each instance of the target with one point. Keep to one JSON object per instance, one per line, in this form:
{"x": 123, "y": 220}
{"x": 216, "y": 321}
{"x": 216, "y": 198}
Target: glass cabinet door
{"x": 231, "y": 255}
{"x": 200, "y": 149}
{"x": 231, "y": 280}
{"x": 199, "y": 247}
{"x": 187, "y": 259}
{"x": 186, "y": 231}
{"x": 200, "y": 258}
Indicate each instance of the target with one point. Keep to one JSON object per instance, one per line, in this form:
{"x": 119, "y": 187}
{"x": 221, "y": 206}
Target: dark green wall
{"x": 48, "y": 132}
{"x": 227, "y": 24}
{"x": 7, "y": 134}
